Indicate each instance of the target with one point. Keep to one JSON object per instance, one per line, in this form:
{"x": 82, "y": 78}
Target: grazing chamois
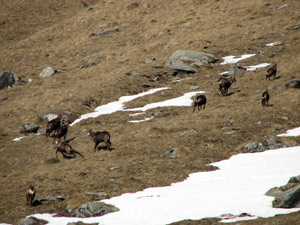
{"x": 265, "y": 98}
{"x": 61, "y": 132}
{"x": 271, "y": 72}
{"x": 200, "y": 100}
{"x": 99, "y": 137}
{"x": 30, "y": 194}
{"x": 66, "y": 149}
{"x": 225, "y": 83}
{"x": 53, "y": 125}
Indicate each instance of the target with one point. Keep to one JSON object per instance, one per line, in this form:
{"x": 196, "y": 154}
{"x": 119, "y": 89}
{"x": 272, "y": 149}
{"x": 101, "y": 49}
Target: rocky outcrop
{"x": 271, "y": 143}
{"x": 47, "y": 72}
{"x": 91, "y": 209}
{"x": 188, "y": 60}
{"x": 8, "y": 79}
{"x": 30, "y": 128}
{"x": 287, "y": 196}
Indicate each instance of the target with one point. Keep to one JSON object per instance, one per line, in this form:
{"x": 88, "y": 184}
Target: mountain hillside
{"x": 94, "y": 69}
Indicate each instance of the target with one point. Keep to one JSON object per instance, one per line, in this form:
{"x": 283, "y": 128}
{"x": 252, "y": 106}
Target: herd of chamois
{"x": 59, "y": 126}
{"x": 225, "y": 84}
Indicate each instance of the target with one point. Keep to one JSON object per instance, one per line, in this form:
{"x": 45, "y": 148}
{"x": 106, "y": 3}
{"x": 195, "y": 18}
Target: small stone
{"x": 194, "y": 87}
{"x": 284, "y": 118}
{"x": 283, "y": 6}
{"x": 114, "y": 168}
{"x": 150, "y": 60}
{"x": 47, "y": 72}
{"x": 257, "y": 122}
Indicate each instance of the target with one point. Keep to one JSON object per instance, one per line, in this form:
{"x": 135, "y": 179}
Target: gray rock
{"x": 228, "y": 123}
{"x": 297, "y": 27}
{"x": 293, "y": 84}
{"x": 93, "y": 55}
{"x": 8, "y": 79}
{"x": 150, "y": 60}
{"x": 295, "y": 179}
{"x": 283, "y": 6}
{"x": 31, "y": 221}
{"x": 274, "y": 192}
{"x": 98, "y": 196}
{"x": 49, "y": 117}
{"x": 234, "y": 70}
{"x": 47, "y": 72}
{"x": 289, "y": 198}
{"x": 170, "y": 153}
{"x": 284, "y": 118}
{"x": 229, "y": 132}
{"x": 253, "y": 147}
{"x": 274, "y": 143}
{"x": 51, "y": 198}
{"x": 106, "y": 32}
{"x": 185, "y": 60}
{"x": 92, "y": 209}
{"x": 194, "y": 87}
{"x": 257, "y": 122}
{"x": 30, "y": 128}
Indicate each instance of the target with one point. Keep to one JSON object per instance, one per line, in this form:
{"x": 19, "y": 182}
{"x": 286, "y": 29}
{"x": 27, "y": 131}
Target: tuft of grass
{"x": 52, "y": 161}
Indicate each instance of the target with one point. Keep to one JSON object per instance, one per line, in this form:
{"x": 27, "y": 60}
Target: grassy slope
{"x": 37, "y": 35}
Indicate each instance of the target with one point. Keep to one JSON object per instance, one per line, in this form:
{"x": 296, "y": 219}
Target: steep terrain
{"x": 36, "y": 34}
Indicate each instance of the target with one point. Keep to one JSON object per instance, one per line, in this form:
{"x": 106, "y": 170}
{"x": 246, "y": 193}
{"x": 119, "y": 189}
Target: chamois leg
{"x": 108, "y": 144}
{"x": 95, "y": 147}
{"x": 221, "y": 90}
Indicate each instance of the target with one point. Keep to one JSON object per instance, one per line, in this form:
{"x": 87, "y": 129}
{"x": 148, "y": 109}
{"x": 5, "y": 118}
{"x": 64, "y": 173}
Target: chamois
{"x": 53, "y": 125}
{"x": 99, "y": 137}
{"x": 30, "y": 194}
{"x": 271, "y": 72}
{"x": 200, "y": 100}
{"x": 265, "y": 98}
{"x": 61, "y": 132}
{"x": 66, "y": 149}
{"x": 224, "y": 84}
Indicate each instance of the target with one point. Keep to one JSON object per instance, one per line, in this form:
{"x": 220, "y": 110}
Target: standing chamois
{"x": 224, "y": 84}
{"x": 61, "y": 132}
{"x": 271, "y": 72}
{"x": 53, "y": 125}
{"x": 265, "y": 98}
{"x": 66, "y": 149}
{"x": 200, "y": 100}
{"x": 99, "y": 137}
{"x": 30, "y": 194}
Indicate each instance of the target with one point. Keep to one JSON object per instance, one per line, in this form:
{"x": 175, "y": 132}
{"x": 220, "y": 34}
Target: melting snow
{"x": 234, "y": 59}
{"x": 238, "y": 186}
{"x": 19, "y": 138}
{"x": 115, "y": 106}
{"x": 259, "y": 66}
{"x": 138, "y": 121}
{"x": 291, "y": 133}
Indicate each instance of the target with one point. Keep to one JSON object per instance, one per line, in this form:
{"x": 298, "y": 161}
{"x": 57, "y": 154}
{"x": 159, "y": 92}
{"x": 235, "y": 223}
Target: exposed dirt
{"x": 35, "y": 34}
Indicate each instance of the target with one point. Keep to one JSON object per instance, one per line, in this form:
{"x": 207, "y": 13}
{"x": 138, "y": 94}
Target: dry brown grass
{"x": 39, "y": 34}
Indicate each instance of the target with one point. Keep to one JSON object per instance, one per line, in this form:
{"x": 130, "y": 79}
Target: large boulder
{"x": 8, "y": 79}
{"x": 289, "y": 198}
{"x": 91, "y": 209}
{"x": 183, "y": 60}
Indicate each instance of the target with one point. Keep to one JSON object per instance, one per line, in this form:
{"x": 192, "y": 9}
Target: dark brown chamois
{"x": 265, "y": 98}
{"x": 66, "y": 149}
{"x": 53, "y": 125}
{"x": 61, "y": 132}
{"x": 224, "y": 84}
{"x": 99, "y": 137}
{"x": 200, "y": 100}
{"x": 271, "y": 72}
{"x": 30, "y": 194}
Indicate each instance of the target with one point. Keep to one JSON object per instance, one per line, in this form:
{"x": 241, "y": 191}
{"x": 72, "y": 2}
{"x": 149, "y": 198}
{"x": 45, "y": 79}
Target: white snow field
{"x": 237, "y": 186}
{"x": 234, "y": 59}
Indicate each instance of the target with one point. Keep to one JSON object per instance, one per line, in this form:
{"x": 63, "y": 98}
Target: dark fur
{"x": 200, "y": 101}
{"x": 99, "y": 137}
{"x": 265, "y": 98}
{"x": 66, "y": 149}
{"x": 61, "y": 132}
{"x": 225, "y": 84}
{"x": 52, "y": 125}
{"x": 271, "y": 72}
{"x": 30, "y": 194}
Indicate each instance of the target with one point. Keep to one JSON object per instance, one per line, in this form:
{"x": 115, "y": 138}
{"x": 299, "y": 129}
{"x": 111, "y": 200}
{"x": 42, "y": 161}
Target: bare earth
{"x": 37, "y": 33}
